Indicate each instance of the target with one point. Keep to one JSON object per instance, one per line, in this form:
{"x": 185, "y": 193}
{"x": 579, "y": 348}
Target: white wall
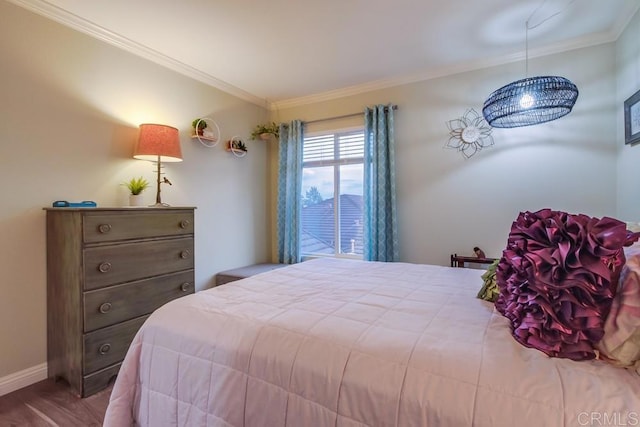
{"x": 70, "y": 107}
{"x": 628, "y": 79}
{"x": 447, "y": 204}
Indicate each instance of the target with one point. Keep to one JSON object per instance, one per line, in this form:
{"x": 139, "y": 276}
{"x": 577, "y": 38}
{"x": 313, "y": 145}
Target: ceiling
{"x": 289, "y": 52}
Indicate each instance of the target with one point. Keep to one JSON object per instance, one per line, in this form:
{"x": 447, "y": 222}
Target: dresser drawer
{"x": 110, "y": 265}
{"x": 109, "y": 345}
{"x": 108, "y": 306}
{"x": 100, "y": 380}
{"x": 107, "y": 228}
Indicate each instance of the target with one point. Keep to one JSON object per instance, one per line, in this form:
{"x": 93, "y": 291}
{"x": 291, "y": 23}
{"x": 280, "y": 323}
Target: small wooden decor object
{"x": 480, "y": 258}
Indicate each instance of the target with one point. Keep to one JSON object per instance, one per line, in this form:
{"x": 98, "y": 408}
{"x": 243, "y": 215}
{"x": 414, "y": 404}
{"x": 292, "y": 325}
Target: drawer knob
{"x": 185, "y": 254}
{"x": 104, "y": 228}
{"x": 185, "y": 287}
{"x": 184, "y": 223}
{"x": 104, "y": 267}
{"x": 104, "y": 348}
{"x": 105, "y": 307}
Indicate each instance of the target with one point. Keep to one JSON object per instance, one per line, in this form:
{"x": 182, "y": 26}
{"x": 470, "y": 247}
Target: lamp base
{"x": 159, "y": 203}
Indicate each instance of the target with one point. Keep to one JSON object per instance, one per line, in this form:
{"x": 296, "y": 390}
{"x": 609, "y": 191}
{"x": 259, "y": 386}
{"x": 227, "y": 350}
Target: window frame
{"x": 335, "y": 163}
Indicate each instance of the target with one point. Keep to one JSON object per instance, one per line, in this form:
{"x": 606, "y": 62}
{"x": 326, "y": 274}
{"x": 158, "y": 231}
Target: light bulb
{"x": 526, "y": 101}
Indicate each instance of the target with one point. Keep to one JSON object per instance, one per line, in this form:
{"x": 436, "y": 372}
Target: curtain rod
{"x": 395, "y": 107}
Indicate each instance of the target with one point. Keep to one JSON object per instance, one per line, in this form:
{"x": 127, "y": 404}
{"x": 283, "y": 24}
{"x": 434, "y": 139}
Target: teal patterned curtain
{"x": 289, "y": 191}
{"x": 380, "y": 218}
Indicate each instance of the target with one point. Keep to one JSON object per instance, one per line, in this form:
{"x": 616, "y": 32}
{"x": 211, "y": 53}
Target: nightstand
{"x": 462, "y": 261}
{"x": 107, "y": 270}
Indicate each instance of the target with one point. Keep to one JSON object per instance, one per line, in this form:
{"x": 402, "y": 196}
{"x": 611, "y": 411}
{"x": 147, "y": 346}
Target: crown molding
{"x": 577, "y": 43}
{"x": 620, "y": 25}
{"x": 43, "y": 8}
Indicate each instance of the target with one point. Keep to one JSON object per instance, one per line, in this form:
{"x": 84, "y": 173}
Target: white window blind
{"x": 332, "y": 189}
{"x": 329, "y": 149}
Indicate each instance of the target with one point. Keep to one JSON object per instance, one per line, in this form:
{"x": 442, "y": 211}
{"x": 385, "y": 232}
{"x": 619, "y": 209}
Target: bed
{"x": 333, "y": 342}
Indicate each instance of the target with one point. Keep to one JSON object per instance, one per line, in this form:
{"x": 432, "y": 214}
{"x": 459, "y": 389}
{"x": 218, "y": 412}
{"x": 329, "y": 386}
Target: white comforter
{"x": 350, "y": 343}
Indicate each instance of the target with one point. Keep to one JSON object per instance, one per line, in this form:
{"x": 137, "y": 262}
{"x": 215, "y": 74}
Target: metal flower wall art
{"x": 469, "y": 134}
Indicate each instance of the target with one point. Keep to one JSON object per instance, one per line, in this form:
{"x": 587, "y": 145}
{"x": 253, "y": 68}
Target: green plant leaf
{"x": 201, "y": 123}
{"x": 136, "y": 185}
{"x": 272, "y": 128}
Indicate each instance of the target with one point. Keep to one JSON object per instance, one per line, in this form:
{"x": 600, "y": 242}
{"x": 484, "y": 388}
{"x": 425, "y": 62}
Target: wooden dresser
{"x": 107, "y": 270}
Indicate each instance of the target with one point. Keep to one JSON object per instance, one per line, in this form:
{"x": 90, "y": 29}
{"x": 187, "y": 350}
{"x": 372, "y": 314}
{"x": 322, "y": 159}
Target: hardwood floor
{"x": 48, "y": 403}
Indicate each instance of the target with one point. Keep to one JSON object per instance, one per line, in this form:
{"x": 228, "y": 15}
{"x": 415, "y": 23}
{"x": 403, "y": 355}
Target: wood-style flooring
{"x": 48, "y": 403}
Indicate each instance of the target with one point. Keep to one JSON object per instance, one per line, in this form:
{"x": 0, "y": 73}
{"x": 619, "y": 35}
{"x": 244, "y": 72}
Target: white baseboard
{"x": 23, "y": 378}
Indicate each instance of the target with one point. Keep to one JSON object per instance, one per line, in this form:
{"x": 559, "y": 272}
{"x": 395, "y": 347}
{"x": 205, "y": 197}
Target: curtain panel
{"x": 289, "y": 191}
{"x": 380, "y": 218}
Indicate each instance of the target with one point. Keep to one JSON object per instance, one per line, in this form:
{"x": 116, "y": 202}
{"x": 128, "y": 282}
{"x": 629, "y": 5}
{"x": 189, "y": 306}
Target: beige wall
{"x": 69, "y": 112}
{"x": 628, "y": 79}
{"x": 447, "y": 204}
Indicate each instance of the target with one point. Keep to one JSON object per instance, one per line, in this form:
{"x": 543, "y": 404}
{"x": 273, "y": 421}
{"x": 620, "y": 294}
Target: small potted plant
{"x": 136, "y": 186}
{"x": 266, "y": 131}
{"x": 237, "y": 145}
{"x": 199, "y": 125}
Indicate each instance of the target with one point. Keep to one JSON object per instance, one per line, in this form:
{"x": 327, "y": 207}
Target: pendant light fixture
{"x": 532, "y": 100}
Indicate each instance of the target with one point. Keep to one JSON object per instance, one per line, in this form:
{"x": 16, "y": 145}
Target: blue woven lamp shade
{"x": 530, "y": 101}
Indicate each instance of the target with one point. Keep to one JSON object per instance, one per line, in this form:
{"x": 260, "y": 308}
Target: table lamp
{"x": 158, "y": 143}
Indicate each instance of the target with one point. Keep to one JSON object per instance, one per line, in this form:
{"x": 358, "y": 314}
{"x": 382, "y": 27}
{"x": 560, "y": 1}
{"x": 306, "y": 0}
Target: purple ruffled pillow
{"x": 557, "y": 278}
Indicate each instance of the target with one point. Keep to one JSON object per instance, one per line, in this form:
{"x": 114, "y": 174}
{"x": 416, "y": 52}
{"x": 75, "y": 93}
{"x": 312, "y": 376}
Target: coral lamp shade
{"x": 158, "y": 142}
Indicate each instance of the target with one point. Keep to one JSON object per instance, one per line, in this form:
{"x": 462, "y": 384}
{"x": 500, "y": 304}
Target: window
{"x": 332, "y": 176}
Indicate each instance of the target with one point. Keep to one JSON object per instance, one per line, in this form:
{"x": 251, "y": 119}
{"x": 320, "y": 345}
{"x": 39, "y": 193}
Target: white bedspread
{"x": 349, "y": 343}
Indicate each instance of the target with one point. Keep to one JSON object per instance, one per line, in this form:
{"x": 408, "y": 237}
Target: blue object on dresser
{"x": 83, "y": 204}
